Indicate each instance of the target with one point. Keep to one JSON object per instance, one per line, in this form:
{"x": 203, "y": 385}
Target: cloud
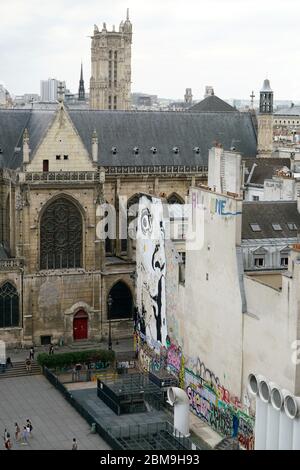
{"x": 230, "y": 44}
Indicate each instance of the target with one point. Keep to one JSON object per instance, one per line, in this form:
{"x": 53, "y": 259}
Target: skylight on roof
{"x": 277, "y": 227}
{"x": 255, "y": 228}
{"x": 292, "y": 226}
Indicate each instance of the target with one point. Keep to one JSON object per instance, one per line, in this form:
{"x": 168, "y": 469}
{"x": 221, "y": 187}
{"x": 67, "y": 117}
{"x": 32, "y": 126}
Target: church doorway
{"x": 121, "y": 302}
{"x": 80, "y": 325}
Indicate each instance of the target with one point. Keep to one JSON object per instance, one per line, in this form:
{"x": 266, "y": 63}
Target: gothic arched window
{"x": 61, "y": 236}
{"x": 9, "y": 306}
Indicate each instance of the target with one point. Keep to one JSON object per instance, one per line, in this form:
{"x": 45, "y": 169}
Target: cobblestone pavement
{"x": 55, "y": 422}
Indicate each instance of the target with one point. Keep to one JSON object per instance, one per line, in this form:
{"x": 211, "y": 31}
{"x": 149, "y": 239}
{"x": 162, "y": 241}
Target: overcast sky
{"x": 229, "y": 44}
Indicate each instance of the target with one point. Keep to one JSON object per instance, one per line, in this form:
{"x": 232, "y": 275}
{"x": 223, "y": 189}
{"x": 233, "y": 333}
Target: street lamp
{"x": 109, "y": 304}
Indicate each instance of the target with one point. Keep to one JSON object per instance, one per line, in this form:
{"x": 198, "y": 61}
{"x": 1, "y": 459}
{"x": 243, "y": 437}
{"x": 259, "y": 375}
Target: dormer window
{"x": 136, "y": 150}
{"x": 153, "y": 150}
{"x": 197, "y": 150}
{"x": 175, "y": 150}
{"x": 114, "y": 150}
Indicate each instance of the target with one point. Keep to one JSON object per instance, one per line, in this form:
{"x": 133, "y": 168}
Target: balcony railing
{"x": 61, "y": 176}
{"x": 11, "y": 264}
{"x": 156, "y": 169}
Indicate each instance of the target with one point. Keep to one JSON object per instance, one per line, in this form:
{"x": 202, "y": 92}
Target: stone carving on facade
{"x": 23, "y": 197}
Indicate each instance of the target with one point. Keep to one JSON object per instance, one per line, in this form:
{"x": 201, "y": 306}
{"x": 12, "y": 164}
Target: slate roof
{"x": 266, "y": 213}
{"x": 265, "y": 168}
{"x": 3, "y": 254}
{"x": 12, "y": 125}
{"x": 128, "y": 129}
{"x": 291, "y": 111}
{"x": 213, "y": 104}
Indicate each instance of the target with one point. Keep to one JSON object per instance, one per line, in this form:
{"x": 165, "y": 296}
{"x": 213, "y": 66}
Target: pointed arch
{"x": 61, "y": 235}
{"x": 9, "y": 305}
{"x": 122, "y": 301}
{"x": 174, "y": 198}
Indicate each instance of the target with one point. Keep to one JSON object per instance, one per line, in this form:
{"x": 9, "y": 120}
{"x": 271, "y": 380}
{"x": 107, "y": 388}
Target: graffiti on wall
{"x": 149, "y": 359}
{"x": 174, "y": 355}
{"x": 151, "y": 268}
{"x": 223, "y": 416}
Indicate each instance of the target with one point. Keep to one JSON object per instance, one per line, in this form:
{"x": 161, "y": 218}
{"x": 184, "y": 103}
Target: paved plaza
{"x": 55, "y": 422}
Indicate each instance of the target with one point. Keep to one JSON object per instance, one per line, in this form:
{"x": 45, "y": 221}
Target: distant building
{"x": 50, "y": 89}
{"x": 27, "y": 98}
{"x": 5, "y": 98}
{"x": 188, "y": 97}
{"x": 143, "y": 100}
{"x": 209, "y": 91}
{"x": 212, "y": 104}
{"x": 111, "y": 67}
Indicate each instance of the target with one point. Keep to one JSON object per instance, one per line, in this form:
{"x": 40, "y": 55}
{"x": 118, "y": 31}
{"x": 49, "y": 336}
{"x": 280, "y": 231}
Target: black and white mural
{"x": 151, "y": 272}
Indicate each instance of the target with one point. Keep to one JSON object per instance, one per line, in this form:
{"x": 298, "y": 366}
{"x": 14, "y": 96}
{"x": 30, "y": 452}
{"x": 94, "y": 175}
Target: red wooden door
{"x": 80, "y": 328}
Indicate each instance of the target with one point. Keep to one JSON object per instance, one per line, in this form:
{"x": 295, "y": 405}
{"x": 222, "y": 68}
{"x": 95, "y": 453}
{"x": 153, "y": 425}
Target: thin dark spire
{"x": 81, "y": 92}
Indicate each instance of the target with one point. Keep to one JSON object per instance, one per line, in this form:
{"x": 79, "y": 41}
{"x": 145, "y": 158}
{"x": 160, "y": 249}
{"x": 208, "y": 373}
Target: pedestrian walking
{"x": 9, "y": 364}
{"x": 29, "y": 426}
{"x": 31, "y": 353}
{"x": 28, "y": 364}
{"x": 74, "y": 444}
{"x": 51, "y": 349}
{"x": 24, "y": 436}
{"x": 5, "y": 434}
{"x": 7, "y": 442}
{"x": 17, "y": 431}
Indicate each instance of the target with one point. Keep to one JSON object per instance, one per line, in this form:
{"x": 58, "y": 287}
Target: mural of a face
{"x": 151, "y": 269}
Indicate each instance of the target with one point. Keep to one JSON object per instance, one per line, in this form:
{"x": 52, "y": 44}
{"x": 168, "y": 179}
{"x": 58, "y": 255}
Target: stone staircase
{"x": 19, "y": 370}
{"x": 84, "y": 345}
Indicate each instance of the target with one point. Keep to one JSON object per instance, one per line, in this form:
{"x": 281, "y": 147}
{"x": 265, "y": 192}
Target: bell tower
{"x": 110, "y": 84}
{"x": 265, "y": 121}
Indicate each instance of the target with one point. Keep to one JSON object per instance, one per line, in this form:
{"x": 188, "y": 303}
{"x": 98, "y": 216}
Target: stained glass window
{"x": 61, "y": 236}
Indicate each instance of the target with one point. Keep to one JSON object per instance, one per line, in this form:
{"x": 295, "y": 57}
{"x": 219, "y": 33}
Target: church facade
{"x": 59, "y": 281}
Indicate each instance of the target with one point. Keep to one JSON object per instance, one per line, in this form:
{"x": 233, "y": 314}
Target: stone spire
{"x": 81, "y": 92}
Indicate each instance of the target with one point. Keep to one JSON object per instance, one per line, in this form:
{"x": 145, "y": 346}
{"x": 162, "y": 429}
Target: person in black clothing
{"x": 8, "y": 363}
{"x": 31, "y": 353}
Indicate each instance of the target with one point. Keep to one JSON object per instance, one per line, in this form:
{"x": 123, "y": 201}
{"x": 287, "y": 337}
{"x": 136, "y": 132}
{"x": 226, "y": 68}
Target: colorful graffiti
{"x": 209, "y": 399}
{"x": 222, "y": 416}
{"x": 174, "y": 355}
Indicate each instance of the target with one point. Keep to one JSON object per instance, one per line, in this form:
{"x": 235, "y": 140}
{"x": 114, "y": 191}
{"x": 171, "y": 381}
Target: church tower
{"x": 265, "y": 121}
{"x": 110, "y": 84}
{"x": 81, "y": 91}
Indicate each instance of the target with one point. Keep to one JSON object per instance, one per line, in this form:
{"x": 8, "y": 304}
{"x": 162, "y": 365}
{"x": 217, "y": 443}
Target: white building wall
{"x": 213, "y": 304}
{"x": 277, "y": 189}
{"x": 224, "y": 170}
{"x": 270, "y": 327}
{"x": 252, "y": 193}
